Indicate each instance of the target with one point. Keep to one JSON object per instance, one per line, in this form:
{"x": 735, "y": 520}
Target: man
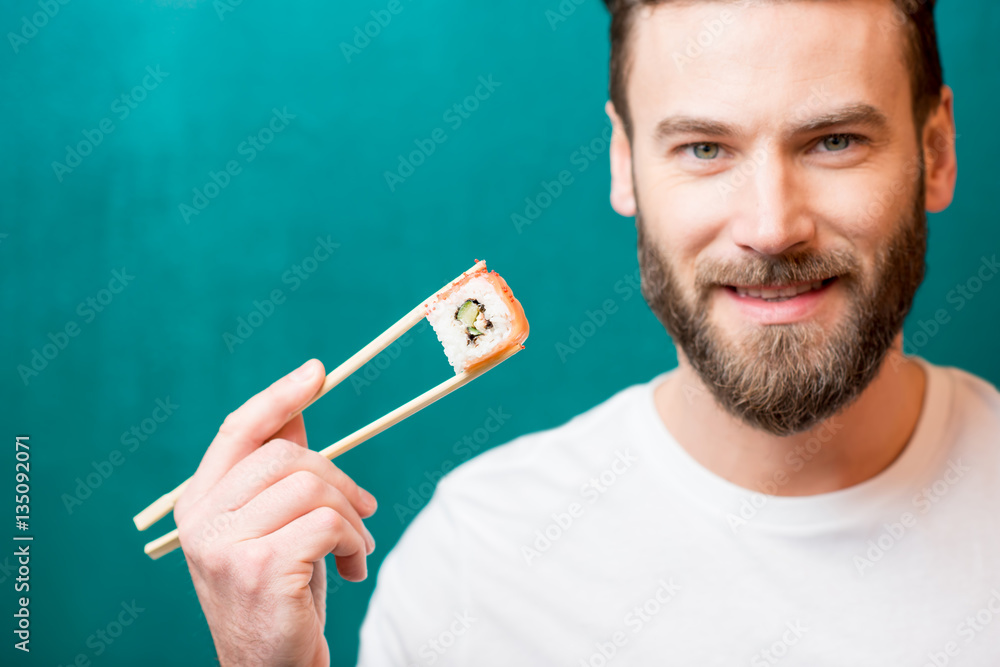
{"x": 796, "y": 491}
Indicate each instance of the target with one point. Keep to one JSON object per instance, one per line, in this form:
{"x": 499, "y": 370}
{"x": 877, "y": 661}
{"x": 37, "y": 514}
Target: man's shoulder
{"x": 975, "y": 398}
{"x": 961, "y": 416}
{"x": 979, "y": 386}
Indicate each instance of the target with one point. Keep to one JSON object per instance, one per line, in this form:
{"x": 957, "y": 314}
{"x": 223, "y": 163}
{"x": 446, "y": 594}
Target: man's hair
{"x": 915, "y": 16}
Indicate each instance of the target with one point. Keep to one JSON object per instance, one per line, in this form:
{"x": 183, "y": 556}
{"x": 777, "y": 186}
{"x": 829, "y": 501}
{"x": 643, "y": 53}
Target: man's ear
{"x": 622, "y": 186}
{"x": 940, "y": 160}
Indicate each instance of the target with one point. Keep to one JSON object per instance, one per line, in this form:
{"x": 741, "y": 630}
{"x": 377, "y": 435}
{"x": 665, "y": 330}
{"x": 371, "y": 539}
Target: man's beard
{"x": 786, "y": 378}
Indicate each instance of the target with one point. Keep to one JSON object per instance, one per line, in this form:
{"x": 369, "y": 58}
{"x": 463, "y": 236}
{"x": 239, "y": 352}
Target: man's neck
{"x": 843, "y": 450}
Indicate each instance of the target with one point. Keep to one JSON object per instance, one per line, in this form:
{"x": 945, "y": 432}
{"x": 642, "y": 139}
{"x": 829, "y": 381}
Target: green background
{"x": 323, "y": 177}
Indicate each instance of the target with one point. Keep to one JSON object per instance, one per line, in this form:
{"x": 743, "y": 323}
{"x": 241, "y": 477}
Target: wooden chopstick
{"x": 170, "y": 541}
{"x": 165, "y": 503}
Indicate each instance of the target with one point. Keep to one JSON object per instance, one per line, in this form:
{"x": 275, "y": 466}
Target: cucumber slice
{"x": 468, "y": 312}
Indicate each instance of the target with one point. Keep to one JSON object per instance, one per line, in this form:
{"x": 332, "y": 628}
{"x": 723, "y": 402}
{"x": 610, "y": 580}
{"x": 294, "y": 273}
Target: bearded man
{"x": 797, "y": 490}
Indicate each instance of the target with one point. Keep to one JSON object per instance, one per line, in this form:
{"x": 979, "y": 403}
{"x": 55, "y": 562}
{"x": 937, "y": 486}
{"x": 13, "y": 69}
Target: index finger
{"x": 255, "y": 422}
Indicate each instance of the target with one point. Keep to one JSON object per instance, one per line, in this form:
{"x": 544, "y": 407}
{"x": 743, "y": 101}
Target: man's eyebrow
{"x": 672, "y": 125}
{"x": 853, "y": 114}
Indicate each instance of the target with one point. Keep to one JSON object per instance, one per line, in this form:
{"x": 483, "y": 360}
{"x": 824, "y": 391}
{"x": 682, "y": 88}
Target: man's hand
{"x": 256, "y": 522}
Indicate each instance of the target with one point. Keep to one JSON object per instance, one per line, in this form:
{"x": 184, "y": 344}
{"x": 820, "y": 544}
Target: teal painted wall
{"x": 219, "y": 78}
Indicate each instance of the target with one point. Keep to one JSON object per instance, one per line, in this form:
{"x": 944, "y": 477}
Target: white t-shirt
{"x": 602, "y": 542}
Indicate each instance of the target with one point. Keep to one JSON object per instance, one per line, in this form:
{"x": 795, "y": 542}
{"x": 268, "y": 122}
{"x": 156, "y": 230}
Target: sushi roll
{"x": 477, "y": 318}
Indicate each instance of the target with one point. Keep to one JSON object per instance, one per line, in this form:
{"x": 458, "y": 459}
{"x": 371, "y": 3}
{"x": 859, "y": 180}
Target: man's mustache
{"x": 764, "y": 271}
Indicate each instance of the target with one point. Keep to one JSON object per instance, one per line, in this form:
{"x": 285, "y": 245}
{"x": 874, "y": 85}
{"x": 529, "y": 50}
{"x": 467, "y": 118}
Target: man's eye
{"x": 705, "y": 151}
{"x": 838, "y": 142}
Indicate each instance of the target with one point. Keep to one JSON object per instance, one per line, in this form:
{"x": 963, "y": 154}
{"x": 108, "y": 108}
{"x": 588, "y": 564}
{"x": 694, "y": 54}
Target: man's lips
{"x": 766, "y": 306}
{"x": 782, "y": 291}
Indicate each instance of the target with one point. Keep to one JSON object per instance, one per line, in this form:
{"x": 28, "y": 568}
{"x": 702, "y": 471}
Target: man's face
{"x": 779, "y": 153}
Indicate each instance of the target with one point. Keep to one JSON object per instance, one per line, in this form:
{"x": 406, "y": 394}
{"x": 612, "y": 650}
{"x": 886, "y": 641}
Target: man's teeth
{"x": 781, "y": 294}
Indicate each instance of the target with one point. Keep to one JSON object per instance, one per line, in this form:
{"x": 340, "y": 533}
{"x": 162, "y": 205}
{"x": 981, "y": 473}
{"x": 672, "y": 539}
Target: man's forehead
{"x": 728, "y": 60}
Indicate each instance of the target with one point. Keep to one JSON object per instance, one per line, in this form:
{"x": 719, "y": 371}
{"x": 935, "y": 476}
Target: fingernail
{"x": 369, "y": 540}
{"x": 369, "y": 499}
{"x": 304, "y": 372}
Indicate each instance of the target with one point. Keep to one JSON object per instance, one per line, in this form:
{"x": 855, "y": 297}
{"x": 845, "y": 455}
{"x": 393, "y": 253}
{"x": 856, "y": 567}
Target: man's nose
{"x": 771, "y": 215}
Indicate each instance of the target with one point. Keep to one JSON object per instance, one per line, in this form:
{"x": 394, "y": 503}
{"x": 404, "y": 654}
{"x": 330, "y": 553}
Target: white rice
{"x": 461, "y": 352}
